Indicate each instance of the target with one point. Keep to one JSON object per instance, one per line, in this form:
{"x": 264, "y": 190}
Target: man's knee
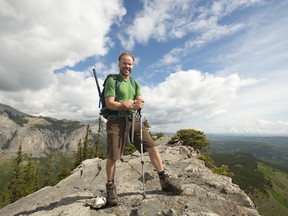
{"x": 110, "y": 162}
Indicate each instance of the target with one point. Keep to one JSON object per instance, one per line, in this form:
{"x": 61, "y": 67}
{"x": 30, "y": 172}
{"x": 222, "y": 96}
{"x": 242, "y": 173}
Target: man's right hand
{"x": 138, "y": 104}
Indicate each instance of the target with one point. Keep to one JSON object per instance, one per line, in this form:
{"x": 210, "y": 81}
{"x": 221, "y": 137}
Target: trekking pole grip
{"x": 139, "y": 112}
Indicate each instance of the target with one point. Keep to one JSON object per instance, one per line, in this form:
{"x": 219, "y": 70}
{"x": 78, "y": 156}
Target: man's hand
{"x": 138, "y": 104}
{"x": 127, "y": 104}
{"x": 132, "y": 104}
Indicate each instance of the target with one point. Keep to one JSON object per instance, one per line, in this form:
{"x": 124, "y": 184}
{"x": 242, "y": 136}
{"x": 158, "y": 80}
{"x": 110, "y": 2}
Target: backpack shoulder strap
{"x": 132, "y": 81}
{"x": 117, "y": 79}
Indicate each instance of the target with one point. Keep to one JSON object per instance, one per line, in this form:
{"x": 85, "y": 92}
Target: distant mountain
{"x": 37, "y": 134}
{"x": 10, "y": 110}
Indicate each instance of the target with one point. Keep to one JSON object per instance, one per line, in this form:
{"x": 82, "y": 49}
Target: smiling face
{"x": 126, "y": 64}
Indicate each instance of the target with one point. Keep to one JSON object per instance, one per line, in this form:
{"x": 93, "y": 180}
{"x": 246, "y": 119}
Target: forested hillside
{"x": 269, "y": 149}
{"x": 23, "y": 174}
{"x": 258, "y": 169}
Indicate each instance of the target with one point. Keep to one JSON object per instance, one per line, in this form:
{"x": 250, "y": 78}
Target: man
{"x": 124, "y": 102}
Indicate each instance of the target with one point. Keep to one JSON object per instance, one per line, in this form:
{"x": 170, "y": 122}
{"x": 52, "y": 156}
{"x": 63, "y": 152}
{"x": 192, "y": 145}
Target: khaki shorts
{"x": 116, "y": 137}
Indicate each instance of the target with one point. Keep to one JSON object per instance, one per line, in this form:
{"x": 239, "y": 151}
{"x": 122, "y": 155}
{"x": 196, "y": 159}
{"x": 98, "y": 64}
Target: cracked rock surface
{"x": 204, "y": 193}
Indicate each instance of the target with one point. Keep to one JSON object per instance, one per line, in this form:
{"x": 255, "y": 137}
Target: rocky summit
{"x": 204, "y": 193}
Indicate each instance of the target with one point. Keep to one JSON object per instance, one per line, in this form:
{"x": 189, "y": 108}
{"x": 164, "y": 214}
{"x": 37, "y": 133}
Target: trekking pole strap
{"x": 133, "y": 127}
{"x": 127, "y": 129}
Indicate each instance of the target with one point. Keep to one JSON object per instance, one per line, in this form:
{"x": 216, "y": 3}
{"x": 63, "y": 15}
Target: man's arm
{"x": 130, "y": 104}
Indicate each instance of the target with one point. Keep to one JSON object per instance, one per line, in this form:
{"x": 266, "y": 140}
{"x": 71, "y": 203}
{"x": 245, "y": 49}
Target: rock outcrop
{"x": 204, "y": 193}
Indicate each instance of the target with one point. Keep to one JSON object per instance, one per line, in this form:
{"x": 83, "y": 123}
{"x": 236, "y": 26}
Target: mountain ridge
{"x": 37, "y": 134}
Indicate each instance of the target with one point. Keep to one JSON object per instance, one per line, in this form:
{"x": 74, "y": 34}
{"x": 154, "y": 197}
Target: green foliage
{"x": 30, "y": 175}
{"x": 208, "y": 161}
{"x": 64, "y": 173}
{"x": 88, "y": 148}
{"x": 5, "y": 197}
{"x": 265, "y": 184}
{"x": 49, "y": 175}
{"x": 17, "y": 181}
{"x": 87, "y": 144}
{"x": 269, "y": 149}
{"x": 129, "y": 149}
{"x": 261, "y": 172}
{"x": 24, "y": 179}
{"x": 79, "y": 154}
{"x": 245, "y": 169}
{"x": 275, "y": 201}
{"x": 146, "y": 124}
{"x": 222, "y": 170}
{"x": 193, "y": 138}
{"x": 26, "y": 175}
{"x": 158, "y": 135}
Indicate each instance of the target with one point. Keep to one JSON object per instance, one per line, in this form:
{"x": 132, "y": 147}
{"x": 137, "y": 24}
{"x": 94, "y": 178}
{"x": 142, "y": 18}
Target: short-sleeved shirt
{"x": 126, "y": 90}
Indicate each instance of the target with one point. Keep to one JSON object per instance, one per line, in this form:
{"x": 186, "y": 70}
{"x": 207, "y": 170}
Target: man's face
{"x": 126, "y": 65}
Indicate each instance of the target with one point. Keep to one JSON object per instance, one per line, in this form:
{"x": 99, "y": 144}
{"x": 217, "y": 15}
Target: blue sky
{"x": 215, "y": 66}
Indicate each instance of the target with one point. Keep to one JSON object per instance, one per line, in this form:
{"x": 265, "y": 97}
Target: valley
{"x": 258, "y": 164}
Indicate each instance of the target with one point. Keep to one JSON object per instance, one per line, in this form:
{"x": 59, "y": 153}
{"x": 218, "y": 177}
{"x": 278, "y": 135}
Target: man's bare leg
{"x": 155, "y": 158}
{"x": 112, "y": 198}
{"x": 110, "y": 169}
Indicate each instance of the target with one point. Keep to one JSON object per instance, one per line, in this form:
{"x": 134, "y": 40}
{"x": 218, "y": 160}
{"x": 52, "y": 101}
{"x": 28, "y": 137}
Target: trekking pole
{"x": 98, "y": 86}
{"x": 142, "y": 160}
{"x": 99, "y": 120}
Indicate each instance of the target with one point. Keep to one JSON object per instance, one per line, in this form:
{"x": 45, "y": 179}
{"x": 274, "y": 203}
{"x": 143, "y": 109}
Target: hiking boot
{"x": 112, "y": 198}
{"x": 170, "y": 184}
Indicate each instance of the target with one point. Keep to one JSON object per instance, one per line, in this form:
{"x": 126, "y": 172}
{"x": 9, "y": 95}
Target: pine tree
{"x": 48, "y": 180}
{"x": 65, "y": 172}
{"x": 17, "y": 182}
{"x": 193, "y": 138}
{"x": 98, "y": 143}
{"x": 87, "y": 143}
{"x": 30, "y": 176}
{"x": 88, "y": 148}
{"x": 79, "y": 154}
{"x": 5, "y": 197}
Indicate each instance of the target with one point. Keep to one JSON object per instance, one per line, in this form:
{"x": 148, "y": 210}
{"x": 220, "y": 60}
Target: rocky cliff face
{"x": 36, "y": 134}
{"x": 204, "y": 193}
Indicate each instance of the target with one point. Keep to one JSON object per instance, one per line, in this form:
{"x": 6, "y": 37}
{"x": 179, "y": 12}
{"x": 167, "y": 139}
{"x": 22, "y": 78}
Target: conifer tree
{"x": 98, "y": 143}
{"x": 48, "y": 180}
{"x": 30, "y": 176}
{"x": 79, "y": 154}
{"x": 65, "y": 172}
{"x": 5, "y": 197}
{"x": 147, "y": 125}
{"x": 87, "y": 143}
{"x": 16, "y": 184}
{"x": 193, "y": 138}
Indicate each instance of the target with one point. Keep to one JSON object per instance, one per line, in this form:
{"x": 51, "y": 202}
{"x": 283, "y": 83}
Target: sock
{"x": 161, "y": 174}
{"x": 112, "y": 181}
